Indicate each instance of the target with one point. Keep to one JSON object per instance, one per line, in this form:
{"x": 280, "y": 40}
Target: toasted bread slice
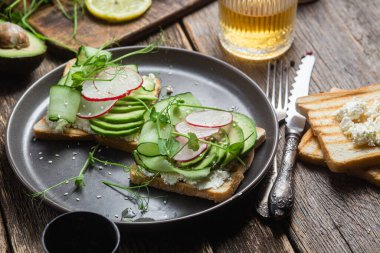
{"x": 310, "y": 151}
{"x": 217, "y": 195}
{"x": 42, "y": 130}
{"x": 339, "y": 151}
{"x": 317, "y": 101}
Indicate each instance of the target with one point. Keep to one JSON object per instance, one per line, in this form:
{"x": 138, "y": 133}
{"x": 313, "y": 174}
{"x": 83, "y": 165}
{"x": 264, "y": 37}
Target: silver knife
{"x": 281, "y": 197}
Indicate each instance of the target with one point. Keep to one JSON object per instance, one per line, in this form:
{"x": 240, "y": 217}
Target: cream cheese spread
{"x": 360, "y": 121}
{"x": 213, "y": 181}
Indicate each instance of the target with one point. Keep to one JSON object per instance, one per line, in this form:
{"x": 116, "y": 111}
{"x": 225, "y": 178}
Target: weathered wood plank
{"x": 95, "y": 32}
{"x": 4, "y": 247}
{"x": 332, "y": 213}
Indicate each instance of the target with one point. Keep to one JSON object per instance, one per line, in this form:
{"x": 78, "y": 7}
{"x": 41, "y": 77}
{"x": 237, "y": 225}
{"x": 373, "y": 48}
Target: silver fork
{"x": 282, "y": 104}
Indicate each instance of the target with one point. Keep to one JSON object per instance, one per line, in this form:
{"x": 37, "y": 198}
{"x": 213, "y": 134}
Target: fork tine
{"x": 279, "y": 102}
{"x": 268, "y": 80}
{"x": 286, "y": 88}
{"x": 274, "y": 85}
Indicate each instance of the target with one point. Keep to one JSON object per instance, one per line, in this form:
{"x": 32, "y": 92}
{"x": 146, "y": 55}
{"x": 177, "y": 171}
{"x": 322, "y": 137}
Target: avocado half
{"x": 22, "y": 60}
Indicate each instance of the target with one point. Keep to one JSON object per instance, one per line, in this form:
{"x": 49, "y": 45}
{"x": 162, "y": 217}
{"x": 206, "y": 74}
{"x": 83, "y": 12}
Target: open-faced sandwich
{"x": 178, "y": 145}
{"x": 98, "y": 99}
{"x": 194, "y": 150}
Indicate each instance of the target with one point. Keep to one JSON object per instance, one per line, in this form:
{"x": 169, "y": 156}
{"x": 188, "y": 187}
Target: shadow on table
{"x": 223, "y": 226}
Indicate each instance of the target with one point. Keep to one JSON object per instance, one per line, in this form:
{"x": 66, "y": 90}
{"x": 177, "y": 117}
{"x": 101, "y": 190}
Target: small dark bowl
{"x": 81, "y": 232}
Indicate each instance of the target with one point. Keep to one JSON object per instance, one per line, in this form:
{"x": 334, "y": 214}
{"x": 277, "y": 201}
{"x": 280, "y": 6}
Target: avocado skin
{"x": 13, "y": 66}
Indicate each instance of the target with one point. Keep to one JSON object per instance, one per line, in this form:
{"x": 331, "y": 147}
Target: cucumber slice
{"x": 235, "y": 135}
{"x": 148, "y": 98}
{"x": 112, "y": 133}
{"x": 179, "y": 113}
{"x": 148, "y": 140}
{"x": 125, "y": 109}
{"x": 128, "y": 103}
{"x": 123, "y": 117}
{"x": 195, "y": 160}
{"x": 64, "y": 103}
{"x": 148, "y": 84}
{"x": 248, "y": 127}
{"x": 116, "y": 127}
{"x": 160, "y": 164}
{"x": 208, "y": 160}
{"x": 84, "y": 53}
{"x": 133, "y": 67}
{"x": 194, "y": 174}
{"x": 222, "y": 152}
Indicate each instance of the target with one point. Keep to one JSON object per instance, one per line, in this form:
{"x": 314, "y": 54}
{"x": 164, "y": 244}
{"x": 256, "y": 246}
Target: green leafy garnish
{"x": 234, "y": 149}
{"x": 193, "y": 143}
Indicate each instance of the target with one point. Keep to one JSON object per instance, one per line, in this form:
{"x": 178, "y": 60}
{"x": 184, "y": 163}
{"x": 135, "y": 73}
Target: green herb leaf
{"x": 193, "y": 143}
{"x": 235, "y": 148}
{"x": 153, "y": 114}
{"x": 163, "y": 118}
{"x": 162, "y": 146}
{"x": 172, "y": 146}
{"x": 79, "y": 181}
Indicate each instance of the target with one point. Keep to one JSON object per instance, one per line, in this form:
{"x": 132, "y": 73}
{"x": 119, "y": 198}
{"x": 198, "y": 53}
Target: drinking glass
{"x": 257, "y": 29}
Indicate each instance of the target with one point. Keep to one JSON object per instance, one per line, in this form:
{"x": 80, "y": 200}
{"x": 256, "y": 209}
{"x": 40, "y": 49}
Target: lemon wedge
{"x": 117, "y": 10}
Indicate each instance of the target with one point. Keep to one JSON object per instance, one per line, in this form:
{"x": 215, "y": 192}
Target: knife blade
{"x": 281, "y": 197}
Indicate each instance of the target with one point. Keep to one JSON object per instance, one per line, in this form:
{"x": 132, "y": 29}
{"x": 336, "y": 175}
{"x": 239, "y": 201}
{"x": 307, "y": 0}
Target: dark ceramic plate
{"x": 40, "y": 164}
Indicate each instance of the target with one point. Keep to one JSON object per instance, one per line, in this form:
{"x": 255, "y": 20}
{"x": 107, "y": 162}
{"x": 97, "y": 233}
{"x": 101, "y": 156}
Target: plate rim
{"x": 202, "y": 213}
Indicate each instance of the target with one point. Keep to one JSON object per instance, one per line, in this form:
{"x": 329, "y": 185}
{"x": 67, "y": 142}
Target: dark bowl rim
{"x": 113, "y": 225}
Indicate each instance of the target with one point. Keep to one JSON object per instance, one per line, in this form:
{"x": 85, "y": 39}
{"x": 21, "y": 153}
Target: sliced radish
{"x": 200, "y": 132}
{"x": 120, "y": 82}
{"x": 209, "y": 118}
{"x": 94, "y": 109}
{"x": 187, "y": 154}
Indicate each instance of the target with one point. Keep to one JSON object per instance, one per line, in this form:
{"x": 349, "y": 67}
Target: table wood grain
{"x": 95, "y": 32}
{"x": 332, "y": 213}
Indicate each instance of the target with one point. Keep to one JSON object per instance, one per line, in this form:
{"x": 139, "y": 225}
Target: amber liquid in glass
{"x": 257, "y": 29}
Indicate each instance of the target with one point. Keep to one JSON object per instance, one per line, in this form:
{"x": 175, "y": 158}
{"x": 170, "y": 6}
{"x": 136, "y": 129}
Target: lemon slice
{"x": 117, "y": 10}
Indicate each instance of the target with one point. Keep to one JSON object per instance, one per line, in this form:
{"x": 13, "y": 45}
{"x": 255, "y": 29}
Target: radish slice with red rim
{"x": 200, "y": 132}
{"x": 94, "y": 109}
{"x": 209, "y": 118}
{"x": 115, "y": 83}
{"x": 186, "y": 154}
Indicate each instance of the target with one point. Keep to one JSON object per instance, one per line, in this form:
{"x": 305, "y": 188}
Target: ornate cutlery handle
{"x": 281, "y": 196}
{"x": 262, "y": 207}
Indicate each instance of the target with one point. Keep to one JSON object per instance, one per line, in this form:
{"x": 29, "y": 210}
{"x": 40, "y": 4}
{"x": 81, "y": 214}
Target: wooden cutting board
{"x": 95, "y": 32}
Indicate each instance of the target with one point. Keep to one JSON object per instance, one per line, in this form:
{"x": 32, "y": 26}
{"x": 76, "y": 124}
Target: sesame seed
{"x": 66, "y": 193}
{"x": 50, "y": 161}
{"x": 77, "y": 199}
{"x": 109, "y": 173}
{"x": 116, "y": 216}
{"x": 56, "y": 155}
{"x": 100, "y": 167}
{"x": 99, "y": 150}
{"x": 41, "y": 157}
{"x": 40, "y": 153}
{"x": 66, "y": 182}
{"x": 73, "y": 158}
{"x": 99, "y": 196}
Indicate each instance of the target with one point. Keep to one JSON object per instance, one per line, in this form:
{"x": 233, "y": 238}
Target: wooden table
{"x": 332, "y": 213}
